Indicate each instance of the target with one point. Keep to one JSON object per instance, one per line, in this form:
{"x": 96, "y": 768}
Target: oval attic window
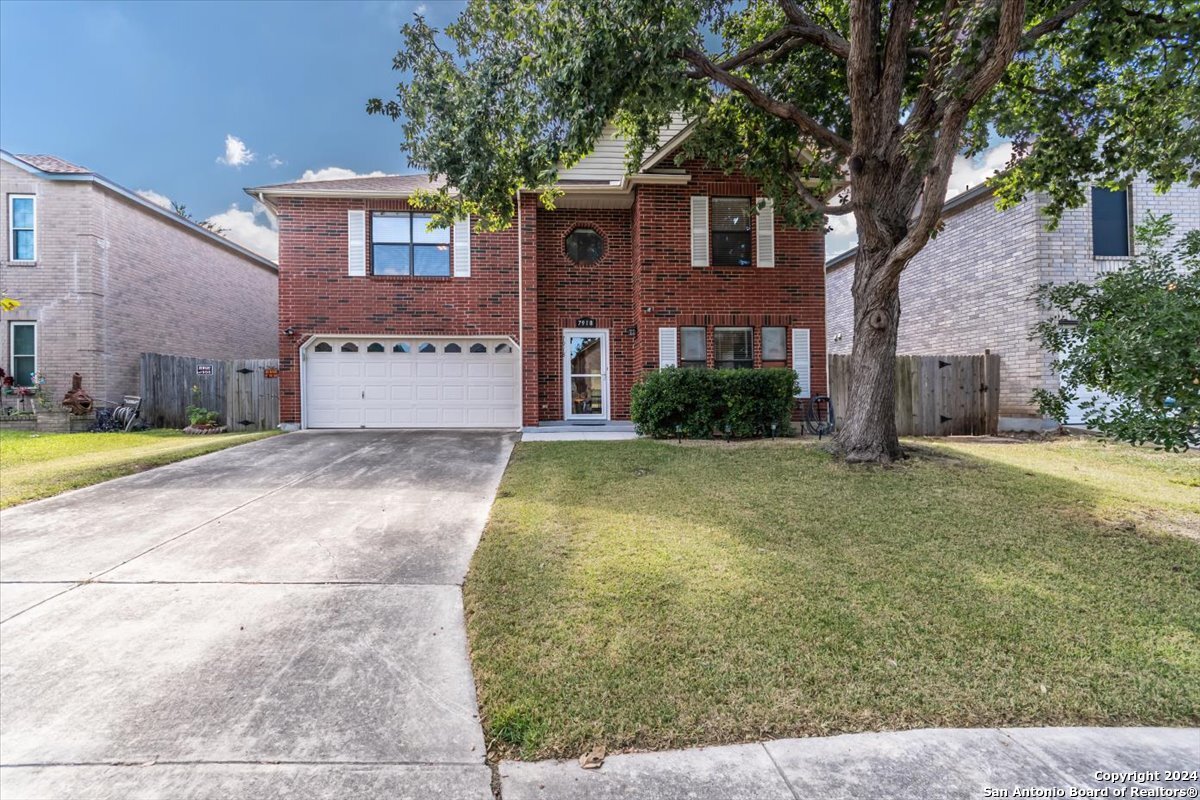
{"x": 584, "y": 246}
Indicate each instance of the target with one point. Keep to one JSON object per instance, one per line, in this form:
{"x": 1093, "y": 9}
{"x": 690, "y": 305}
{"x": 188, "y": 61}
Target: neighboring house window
{"x": 774, "y": 345}
{"x": 731, "y": 231}
{"x": 22, "y": 337}
{"x": 22, "y": 233}
{"x": 1110, "y": 222}
{"x": 401, "y": 245}
{"x": 693, "y": 350}
{"x": 733, "y": 348}
{"x": 584, "y": 246}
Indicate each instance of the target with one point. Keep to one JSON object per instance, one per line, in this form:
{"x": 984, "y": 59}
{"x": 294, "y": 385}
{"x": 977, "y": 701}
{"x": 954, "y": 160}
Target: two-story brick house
{"x": 386, "y": 324}
{"x": 102, "y": 275}
{"x": 973, "y": 287}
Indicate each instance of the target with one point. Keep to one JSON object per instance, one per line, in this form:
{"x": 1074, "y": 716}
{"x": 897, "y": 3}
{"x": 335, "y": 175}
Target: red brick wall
{"x": 317, "y": 296}
{"x": 568, "y": 291}
{"x": 791, "y": 294}
{"x": 647, "y": 265}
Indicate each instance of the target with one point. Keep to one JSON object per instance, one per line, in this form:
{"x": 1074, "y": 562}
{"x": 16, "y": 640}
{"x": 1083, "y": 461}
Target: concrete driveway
{"x": 279, "y": 619}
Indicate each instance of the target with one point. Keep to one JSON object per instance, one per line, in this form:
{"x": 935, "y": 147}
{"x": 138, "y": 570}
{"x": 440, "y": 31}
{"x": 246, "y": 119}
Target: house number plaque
{"x": 585, "y": 322}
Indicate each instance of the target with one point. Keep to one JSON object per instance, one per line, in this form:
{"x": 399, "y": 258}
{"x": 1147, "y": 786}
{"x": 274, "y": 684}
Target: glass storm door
{"x": 585, "y": 369}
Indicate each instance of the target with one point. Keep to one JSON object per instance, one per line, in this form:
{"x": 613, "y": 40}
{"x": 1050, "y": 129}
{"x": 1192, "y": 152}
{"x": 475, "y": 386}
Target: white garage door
{"x": 433, "y": 382}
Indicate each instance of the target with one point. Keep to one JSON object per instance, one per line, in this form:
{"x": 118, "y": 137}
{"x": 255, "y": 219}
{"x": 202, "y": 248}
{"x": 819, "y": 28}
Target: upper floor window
{"x": 584, "y": 246}
{"x": 401, "y": 245}
{"x": 733, "y": 348}
{"x": 1110, "y": 222}
{"x": 731, "y": 231}
{"x": 22, "y": 228}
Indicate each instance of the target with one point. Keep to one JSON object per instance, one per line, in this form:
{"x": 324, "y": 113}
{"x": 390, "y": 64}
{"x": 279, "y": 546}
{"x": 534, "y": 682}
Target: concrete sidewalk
{"x": 943, "y": 764}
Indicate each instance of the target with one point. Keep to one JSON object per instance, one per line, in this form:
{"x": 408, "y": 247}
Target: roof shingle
{"x": 399, "y": 184}
{"x": 55, "y": 164}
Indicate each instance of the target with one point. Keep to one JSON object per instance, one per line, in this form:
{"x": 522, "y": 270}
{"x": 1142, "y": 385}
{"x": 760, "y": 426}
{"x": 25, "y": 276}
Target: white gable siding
{"x": 606, "y": 164}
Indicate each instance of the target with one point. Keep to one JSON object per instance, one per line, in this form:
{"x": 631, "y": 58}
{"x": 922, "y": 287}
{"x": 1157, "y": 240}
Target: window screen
{"x": 1110, "y": 222}
{"x": 732, "y": 348}
{"x": 774, "y": 344}
{"x": 730, "y": 220}
{"x": 692, "y": 347}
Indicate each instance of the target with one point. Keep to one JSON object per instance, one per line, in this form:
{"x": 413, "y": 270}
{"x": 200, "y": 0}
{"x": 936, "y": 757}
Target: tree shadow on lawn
{"x": 647, "y": 596}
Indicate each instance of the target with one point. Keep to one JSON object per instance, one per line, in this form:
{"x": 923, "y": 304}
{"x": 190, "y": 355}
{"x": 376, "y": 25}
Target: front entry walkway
{"x": 281, "y": 619}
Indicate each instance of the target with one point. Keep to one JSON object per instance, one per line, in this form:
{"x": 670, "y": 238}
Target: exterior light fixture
{"x": 290, "y": 331}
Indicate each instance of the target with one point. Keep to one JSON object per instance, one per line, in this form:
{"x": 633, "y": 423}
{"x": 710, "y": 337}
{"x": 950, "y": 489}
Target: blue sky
{"x": 194, "y": 101}
{"x": 147, "y": 93}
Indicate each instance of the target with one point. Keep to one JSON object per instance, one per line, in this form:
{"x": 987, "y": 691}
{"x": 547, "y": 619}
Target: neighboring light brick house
{"x": 387, "y": 325}
{"x": 104, "y": 275}
{"x": 972, "y": 288}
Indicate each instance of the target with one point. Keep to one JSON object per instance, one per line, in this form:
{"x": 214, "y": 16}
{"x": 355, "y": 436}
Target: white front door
{"x": 585, "y": 374}
{"x": 412, "y": 382}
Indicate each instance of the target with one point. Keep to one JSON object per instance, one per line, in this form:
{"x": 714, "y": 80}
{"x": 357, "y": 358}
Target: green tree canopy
{"x": 1134, "y": 335}
{"x": 835, "y": 106}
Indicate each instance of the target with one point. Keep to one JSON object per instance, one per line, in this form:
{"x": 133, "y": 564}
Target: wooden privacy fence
{"x": 244, "y": 392}
{"x": 935, "y": 395}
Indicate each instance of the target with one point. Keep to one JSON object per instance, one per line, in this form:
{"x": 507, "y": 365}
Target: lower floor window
{"x": 22, "y": 337}
{"x": 692, "y": 348}
{"x": 733, "y": 348}
{"x": 774, "y": 344}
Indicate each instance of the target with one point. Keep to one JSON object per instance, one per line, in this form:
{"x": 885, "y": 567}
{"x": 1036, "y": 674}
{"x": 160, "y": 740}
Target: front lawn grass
{"x": 645, "y": 595}
{"x": 37, "y": 465}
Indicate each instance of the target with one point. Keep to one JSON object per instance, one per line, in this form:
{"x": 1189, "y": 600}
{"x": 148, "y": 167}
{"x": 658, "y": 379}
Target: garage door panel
{"x": 402, "y": 369}
{"x": 358, "y": 387}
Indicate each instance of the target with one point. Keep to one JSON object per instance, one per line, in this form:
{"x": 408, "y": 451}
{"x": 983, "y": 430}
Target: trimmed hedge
{"x": 696, "y": 403}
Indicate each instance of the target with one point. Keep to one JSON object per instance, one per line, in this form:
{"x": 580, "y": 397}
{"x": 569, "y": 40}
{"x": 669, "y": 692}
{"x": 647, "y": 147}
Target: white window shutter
{"x": 668, "y": 347}
{"x": 699, "y": 231}
{"x": 356, "y": 242}
{"x": 766, "y": 233}
{"x": 462, "y": 248}
{"x": 802, "y": 361}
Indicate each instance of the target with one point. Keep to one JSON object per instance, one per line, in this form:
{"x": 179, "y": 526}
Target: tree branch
{"x": 704, "y": 67}
{"x": 812, "y": 32}
{"x": 895, "y": 56}
{"x": 817, "y": 204}
{"x": 1053, "y": 22}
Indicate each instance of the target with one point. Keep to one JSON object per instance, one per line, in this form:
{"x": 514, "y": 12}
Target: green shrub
{"x": 696, "y": 403}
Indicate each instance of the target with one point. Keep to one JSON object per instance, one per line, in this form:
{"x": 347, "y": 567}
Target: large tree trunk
{"x": 868, "y": 432}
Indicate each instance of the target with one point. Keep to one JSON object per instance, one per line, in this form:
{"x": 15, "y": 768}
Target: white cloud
{"x": 243, "y": 227}
{"x": 843, "y": 236}
{"x": 275, "y": 161}
{"x": 967, "y": 173}
{"x": 156, "y": 198}
{"x": 237, "y": 154}
{"x": 336, "y": 174}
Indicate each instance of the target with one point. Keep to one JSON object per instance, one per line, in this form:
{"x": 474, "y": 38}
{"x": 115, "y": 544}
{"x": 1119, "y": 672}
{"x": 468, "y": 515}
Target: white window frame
{"x": 12, "y": 348}
{"x": 12, "y": 239}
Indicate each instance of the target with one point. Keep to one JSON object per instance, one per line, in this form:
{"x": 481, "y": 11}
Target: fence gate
{"x": 935, "y": 395}
{"x": 245, "y": 393}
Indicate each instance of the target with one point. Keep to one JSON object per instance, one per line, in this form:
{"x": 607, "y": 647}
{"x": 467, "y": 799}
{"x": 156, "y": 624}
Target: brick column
{"x": 529, "y": 309}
